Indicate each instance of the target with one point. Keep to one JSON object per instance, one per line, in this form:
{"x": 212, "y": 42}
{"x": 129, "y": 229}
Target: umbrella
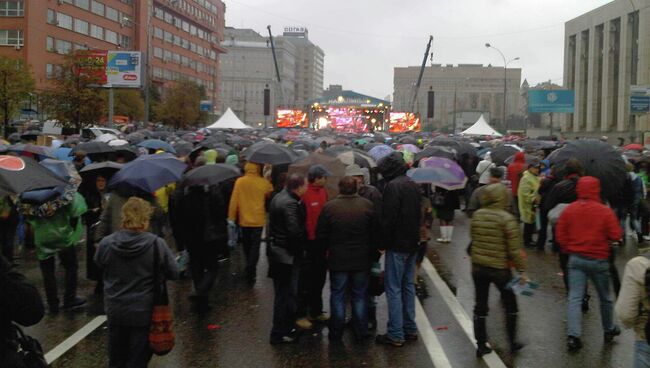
{"x": 135, "y": 138}
{"x": 157, "y": 144}
{"x": 380, "y": 152}
{"x": 369, "y": 146}
{"x": 270, "y": 153}
{"x": 436, "y": 151}
{"x": 530, "y": 159}
{"x": 64, "y": 170}
{"x": 150, "y": 173}
{"x": 441, "y": 172}
{"x": 600, "y": 160}
{"x": 183, "y": 148}
{"x": 102, "y": 167}
{"x": 461, "y": 147}
{"x": 118, "y": 142}
{"x": 106, "y": 137}
{"x": 20, "y": 174}
{"x": 501, "y": 153}
{"x": 408, "y": 147}
{"x": 633, "y": 147}
{"x": 32, "y": 151}
{"x": 92, "y": 148}
{"x": 328, "y": 140}
{"x": 333, "y": 165}
{"x": 408, "y": 140}
{"x": 63, "y": 153}
{"x": 210, "y": 175}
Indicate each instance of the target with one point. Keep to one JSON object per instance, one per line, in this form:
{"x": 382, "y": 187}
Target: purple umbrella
{"x": 441, "y": 172}
{"x": 408, "y": 147}
{"x": 380, "y": 152}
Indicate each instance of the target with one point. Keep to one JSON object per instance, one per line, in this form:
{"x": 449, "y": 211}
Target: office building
{"x": 310, "y": 65}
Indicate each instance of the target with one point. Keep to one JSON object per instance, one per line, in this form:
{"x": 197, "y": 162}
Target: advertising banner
{"x": 121, "y": 69}
{"x": 560, "y": 101}
{"x": 639, "y": 104}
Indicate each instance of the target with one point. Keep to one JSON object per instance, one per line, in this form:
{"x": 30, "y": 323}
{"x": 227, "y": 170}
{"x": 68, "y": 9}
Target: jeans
{"x": 251, "y": 238}
{"x": 284, "y": 303}
{"x": 128, "y": 346}
{"x": 641, "y": 354}
{"x": 483, "y": 277}
{"x": 597, "y": 270}
{"x": 68, "y": 257}
{"x": 313, "y": 273}
{"x": 399, "y": 278}
{"x": 358, "y": 282}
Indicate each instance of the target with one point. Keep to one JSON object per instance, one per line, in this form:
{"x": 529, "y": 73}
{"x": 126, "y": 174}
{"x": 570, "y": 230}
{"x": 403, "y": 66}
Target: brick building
{"x": 183, "y": 42}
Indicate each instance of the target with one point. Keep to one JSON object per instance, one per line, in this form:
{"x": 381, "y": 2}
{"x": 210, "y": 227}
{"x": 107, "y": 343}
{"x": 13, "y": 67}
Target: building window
{"x": 169, "y": 37}
{"x": 177, "y": 41}
{"x": 49, "y": 44}
{"x": 63, "y": 47}
{"x": 192, "y": 30}
{"x": 81, "y": 26}
{"x": 125, "y": 42}
{"x": 51, "y": 16}
{"x": 157, "y": 72}
{"x": 157, "y": 52}
{"x": 167, "y": 55}
{"x": 110, "y": 36}
{"x": 169, "y": 18}
{"x": 176, "y": 57}
{"x": 97, "y": 8}
{"x": 49, "y": 71}
{"x": 80, "y": 47}
{"x": 127, "y": 2}
{"x": 83, "y": 4}
{"x": 158, "y": 33}
{"x": 13, "y": 8}
{"x": 64, "y": 21}
{"x": 96, "y": 32}
{"x": 11, "y": 37}
{"x": 112, "y": 14}
{"x": 158, "y": 13}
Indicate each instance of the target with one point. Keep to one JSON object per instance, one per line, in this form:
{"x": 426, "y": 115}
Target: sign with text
{"x": 639, "y": 104}
{"x": 113, "y": 68}
{"x": 561, "y": 101}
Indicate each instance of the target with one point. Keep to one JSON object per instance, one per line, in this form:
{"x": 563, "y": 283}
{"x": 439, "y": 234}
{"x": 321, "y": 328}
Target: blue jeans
{"x": 400, "y": 293}
{"x": 339, "y": 281}
{"x": 641, "y": 354}
{"x": 597, "y": 270}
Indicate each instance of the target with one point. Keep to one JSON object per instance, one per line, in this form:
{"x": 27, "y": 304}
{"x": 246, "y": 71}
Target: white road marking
{"x": 73, "y": 340}
{"x": 492, "y": 359}
{"x": 429, "y": 338}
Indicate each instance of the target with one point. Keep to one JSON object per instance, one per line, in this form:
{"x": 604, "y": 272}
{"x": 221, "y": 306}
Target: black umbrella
{"x": 21, "y": 174}
{"x": 210, "y": 175}
{"x": 436, "y": 151}
{"x": 270, "y": 153}
{"x": 136, "y": 138}
{"x": 600, "y": 160}
{"x": 461, "y": 147}
{"x": 92, "y": 148}
{"x": 183, "y": 148}
{"x": 107, "y": 167}
{"x": 500, "y": 154}
{"x": 408, "y": 140}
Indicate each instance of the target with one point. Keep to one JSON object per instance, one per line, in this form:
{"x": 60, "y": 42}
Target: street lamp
{"x": 505, "y": 76}
{"x": 455, "y": 113}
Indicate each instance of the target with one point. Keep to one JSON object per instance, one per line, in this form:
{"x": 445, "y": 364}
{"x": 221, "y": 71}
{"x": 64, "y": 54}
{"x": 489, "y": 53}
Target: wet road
{"x": 235, "y": 332}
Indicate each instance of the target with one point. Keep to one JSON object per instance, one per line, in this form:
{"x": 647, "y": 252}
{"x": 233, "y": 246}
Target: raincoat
{"x": 515, "y": 169}
{"x": 527, "y": 193}
{"x": 247, "y": 203}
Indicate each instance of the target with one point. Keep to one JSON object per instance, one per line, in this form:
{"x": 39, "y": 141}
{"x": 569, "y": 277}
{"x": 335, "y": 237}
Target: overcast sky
{"x": 364, "y": 39}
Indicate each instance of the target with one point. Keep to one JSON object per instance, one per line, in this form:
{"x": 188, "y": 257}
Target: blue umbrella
{"x": 379, "y": 152}
{"x": 150, "y": 173}
{"x": 157, "y": 144}
{"x": 63, "y": 154}
{"x": 441, "y": 172}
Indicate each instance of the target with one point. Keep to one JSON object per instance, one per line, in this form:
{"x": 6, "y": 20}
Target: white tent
{"x": 229, "y": 121}
{"x": 481, "y": 127}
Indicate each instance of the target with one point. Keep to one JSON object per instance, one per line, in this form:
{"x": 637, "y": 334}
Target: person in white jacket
{"x": 483, "y": 169}
{"x": 632, "y": 306}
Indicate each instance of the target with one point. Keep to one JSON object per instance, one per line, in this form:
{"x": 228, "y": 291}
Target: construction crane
{"x": 275, "y": 61}
{"x": 419, "y": 81}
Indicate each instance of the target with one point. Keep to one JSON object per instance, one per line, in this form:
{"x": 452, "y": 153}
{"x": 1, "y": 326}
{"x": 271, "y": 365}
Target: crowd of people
{"x": 309, "y": 234}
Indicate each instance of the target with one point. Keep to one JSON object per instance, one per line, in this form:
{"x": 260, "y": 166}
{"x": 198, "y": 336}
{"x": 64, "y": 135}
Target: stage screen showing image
{"x": 347, "y": 119}
{"x": 403, "y": 122}
{"x": 291, "y": 119}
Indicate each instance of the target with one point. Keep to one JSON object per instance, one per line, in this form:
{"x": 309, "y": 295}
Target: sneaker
{"x": 574, "y": 343}
{"x": 283, "y": 340}
{"x": 304, "y": 324}
{"x": 440, "y": 240}
{"x": 320, "y": 318}
{"x": 75, "y": 303}
{"x": 610, "y": 335}
{"x": 411, "y": 337}
{"x": 384, "y": 339}
{"x": 482, "y": 349}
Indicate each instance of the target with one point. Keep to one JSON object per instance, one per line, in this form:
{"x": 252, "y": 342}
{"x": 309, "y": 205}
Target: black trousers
{"x": 543, "y": 230}
{"x": 68, "y": 258}
{"x": 128, "y": 346}
{"x": 7, "y": 237}
{"x": 203, "y": 266}
{"x": 483, "y": 277}
{"x": 284, "y": 302}
{"x": 529, "y": 230}
{"x": 251, "y": 238}
{"x": 313, "y": 273}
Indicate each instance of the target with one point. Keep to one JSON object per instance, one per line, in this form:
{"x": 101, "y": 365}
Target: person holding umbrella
{"x": 247, "y": 207}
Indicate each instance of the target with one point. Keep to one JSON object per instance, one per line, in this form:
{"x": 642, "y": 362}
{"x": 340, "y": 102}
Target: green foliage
{"x": 16, "y": 83}
{"x": 179, "y": 106}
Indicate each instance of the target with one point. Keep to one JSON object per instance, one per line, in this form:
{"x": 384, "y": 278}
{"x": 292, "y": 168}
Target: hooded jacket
{"x": 247, "y": 203}
{"x": 587, "y": 226}
{"x": 495, "y": 232}
{"x": 314, "y": 199}
{"x": 483, "y": 169}
{"x": 526, "y": 195}
{"x": 515, "y": 169}
{"x": 126, "y": 259}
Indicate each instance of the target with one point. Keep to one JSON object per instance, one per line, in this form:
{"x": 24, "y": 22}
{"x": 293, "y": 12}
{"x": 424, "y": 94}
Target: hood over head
{"x": 392, "y": 166}
{"x": 487, "y": 157}
{"x": 252, "y": 169}
{"x": 520, "y": 158}
{"x": 210, "y": 157}
{"x": 130, "y": 244}
{"x": 495, "y": 196}
{"x": 588, "y": 188}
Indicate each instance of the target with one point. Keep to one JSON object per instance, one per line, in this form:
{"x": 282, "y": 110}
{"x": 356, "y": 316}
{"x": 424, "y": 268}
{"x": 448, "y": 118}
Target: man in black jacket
{"x": 345, "y": 228}
{"x": 20, "y": 303}
{"x": 286, "y": 238}
{"x": 400, "y": 237}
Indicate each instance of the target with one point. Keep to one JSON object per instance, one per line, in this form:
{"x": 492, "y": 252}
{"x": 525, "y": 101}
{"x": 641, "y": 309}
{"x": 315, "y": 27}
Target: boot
{"x": 511, "y": 328}
{"x": 450, "y": 233}
{"x": 372, "y": 318}
{"x": 443, "y": 231}
{"x": 480, "y": 333}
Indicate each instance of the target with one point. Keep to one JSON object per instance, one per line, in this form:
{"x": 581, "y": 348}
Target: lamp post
{"x": 455, "y": 91}
{"x": 505, "y": 81}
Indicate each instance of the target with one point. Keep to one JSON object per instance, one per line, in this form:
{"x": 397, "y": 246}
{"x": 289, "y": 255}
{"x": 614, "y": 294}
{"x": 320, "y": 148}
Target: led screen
{"x": 403, "y": 122}
{"x": 291, "y": 119}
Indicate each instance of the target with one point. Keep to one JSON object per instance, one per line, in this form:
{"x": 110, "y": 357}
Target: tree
{"x": 127, "y": 102}
{"x": 16, "y": 83}
{"x": 73, "y": 97}
{"x": 179, "y": 106}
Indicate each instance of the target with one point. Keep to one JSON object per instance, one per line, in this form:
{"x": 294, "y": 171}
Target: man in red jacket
{"x": 584, "y": 231}
{"x": 314, "y": 263}
{"x": 515, "y": 169}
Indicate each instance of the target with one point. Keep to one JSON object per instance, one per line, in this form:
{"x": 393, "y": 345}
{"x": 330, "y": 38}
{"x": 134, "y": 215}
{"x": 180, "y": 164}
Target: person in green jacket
{"x": 58, "y": 235}
{"x": 528, "y": 195}
{"x": 495, "y": 248}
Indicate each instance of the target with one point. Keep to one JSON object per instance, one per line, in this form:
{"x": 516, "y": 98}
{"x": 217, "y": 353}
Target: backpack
{"x": 24, "y": 349}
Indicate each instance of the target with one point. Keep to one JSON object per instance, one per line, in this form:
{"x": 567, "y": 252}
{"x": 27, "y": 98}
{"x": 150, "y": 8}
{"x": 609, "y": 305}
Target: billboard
{"x": 291, "y": 119}
{"x": 112, "y": 68}
{"x": 639, "y": 104}
{"x": 346, "y": 119}
{"x": 400, "y": 122}
{"x": 561, "y": 101}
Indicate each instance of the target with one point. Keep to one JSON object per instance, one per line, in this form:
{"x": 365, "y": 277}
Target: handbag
{"x": 26, "y": 349}
{"x": 161, "y": 332}
{"x": 376, "y": 283}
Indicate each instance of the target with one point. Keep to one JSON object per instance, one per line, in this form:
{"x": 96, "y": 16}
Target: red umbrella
{"x": 633, "y": 147}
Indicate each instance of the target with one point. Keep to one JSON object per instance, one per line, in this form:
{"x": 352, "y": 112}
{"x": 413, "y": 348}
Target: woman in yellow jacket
{"x": 247, "y": 207}
{"x": 528, "y": 195}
